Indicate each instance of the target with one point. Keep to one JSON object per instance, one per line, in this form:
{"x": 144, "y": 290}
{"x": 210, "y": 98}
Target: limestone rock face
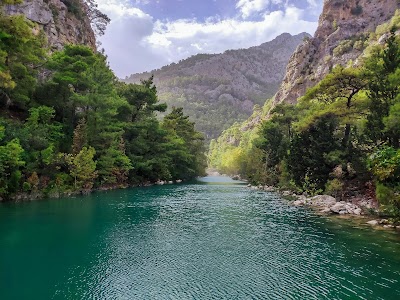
{"x": 60, "y": 25}
{"x": 340, "y": 37}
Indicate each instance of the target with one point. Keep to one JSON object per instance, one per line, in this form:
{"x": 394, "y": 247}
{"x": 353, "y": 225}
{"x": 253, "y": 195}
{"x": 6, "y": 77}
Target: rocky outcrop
{"x": 61, "y": 24}
{"x": 328, "y": 205}
{"x": 217, "y": 90}
{"x": 342, "y": 34}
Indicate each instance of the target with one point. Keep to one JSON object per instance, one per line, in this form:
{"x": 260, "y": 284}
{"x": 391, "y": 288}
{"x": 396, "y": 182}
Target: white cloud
{"x": 135, "y": 42}
{"x": 249, "y": 7}
{"x": 312, "y": 3}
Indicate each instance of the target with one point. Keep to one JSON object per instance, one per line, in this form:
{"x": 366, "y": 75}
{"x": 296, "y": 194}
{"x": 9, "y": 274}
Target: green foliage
{"x": 21, "y": 51}
{"x": 10, "y": 162}
{"x": 188, "y": 158}
{"x": 81, "y": 128}
{"x": 82, "y": 167}
{"x": 334, "y": 187}
{"x": 344, "y": 131}
{"x": 382, "y": 70}
{"x": 385, "y": 165}
{"x": 389, "y": 198}
{"x": 98, "y": 20}
{"x": 74, "y": 7}
{"x": 114, "y": 165}
{"x": 312, "y": 148}
{"x": 344, "y": 47}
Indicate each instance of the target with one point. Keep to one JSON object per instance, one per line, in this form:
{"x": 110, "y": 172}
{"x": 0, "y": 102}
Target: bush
{"x": 26, "y": 187}
{"x": 334, "y": 187}
{"x": 357, "y": 10}
{"x": 389, "y": 198}
{"x": 343, "y": 47}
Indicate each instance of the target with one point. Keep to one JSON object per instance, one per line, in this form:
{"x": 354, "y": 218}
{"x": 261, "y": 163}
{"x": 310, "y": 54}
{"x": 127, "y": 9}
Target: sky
{"x": 147, "y": 34}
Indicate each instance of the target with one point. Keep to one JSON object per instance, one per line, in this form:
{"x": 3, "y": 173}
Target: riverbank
{"x": 56, "y": 194}
{"x": 327, "y": 205}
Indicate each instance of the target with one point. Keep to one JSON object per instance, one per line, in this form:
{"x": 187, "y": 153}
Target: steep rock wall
{"x": 62, "y": 24}
{"x": 342, "y": 35}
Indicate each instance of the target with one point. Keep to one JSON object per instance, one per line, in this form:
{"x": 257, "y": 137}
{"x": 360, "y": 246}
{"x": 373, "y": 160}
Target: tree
{"x": 68, "y": 83}
{"x": 83, "y": 168}
{"x": 338, "y": 90}
{"x": 40, "y": 137}
{"x": 308, "y": 157}
{"x": 98, "y": 20}
{"x": 385, "y": 166}
{"x": 382, "y": 71}
{"x": 21, "y": 53}
{"x": 188, "y": 151}
{"x": 10, "y": 162}
{"x": 114, "y": 165}
{"x": 145, "y": 140}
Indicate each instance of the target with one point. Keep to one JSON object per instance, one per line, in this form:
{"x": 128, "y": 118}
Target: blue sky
{"x": 148, "y": 34}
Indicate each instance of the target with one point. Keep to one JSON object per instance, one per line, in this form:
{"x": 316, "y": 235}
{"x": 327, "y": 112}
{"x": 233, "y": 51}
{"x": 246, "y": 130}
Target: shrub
{"x": 357, "y": 10}
{"x": 26, "y": 187}
{"x": 334, "y": 187}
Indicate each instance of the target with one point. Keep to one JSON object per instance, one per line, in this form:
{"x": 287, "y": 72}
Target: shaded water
{"x": 214, "y": 239}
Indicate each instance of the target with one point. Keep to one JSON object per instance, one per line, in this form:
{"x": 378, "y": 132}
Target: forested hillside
{"x": 218, "y": 90}
{"x": 342, "y": 138}
{"x": 67, "y": 125}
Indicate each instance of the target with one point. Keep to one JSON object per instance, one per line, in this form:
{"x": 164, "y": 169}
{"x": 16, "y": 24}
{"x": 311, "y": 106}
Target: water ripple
{"x": 222, "y": 241}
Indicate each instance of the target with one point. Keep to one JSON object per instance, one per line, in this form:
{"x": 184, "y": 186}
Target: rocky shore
{"x": 328, "y": 205}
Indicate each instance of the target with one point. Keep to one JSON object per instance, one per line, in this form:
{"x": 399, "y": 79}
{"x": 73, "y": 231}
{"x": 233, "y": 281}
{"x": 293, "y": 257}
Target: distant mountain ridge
{"x": 217, "y": 90}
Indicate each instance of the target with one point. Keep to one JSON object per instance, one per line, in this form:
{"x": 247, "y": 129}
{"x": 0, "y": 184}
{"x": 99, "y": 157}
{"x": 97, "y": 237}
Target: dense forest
{"x": 343, "y": 134}
{"x": 68, "y": 125}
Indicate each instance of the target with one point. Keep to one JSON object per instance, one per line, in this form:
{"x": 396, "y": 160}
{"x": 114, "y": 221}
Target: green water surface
{"x": 213, "y": 239}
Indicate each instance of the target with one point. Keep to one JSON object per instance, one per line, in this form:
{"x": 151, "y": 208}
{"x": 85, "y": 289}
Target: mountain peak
{"x": 209, "y": 86}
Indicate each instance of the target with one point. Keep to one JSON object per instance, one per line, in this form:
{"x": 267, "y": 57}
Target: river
{"x": 211, "y": 239}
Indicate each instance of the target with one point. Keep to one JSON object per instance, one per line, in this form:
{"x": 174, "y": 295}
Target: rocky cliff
{"x": 220, "y": 89}
{"x": 63, "y": 21}
{"x": 344, "y": 31}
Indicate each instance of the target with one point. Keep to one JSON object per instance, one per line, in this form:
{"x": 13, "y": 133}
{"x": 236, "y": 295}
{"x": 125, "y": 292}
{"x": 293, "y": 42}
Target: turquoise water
{"x": 213, "y": 239}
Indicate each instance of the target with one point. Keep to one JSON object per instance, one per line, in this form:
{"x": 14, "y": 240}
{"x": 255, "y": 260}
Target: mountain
{"x": 63, "y": 21}
{"x": 347, "y": 32}
{"x": 217, "y": 90}
{"x": 345, "y": 29}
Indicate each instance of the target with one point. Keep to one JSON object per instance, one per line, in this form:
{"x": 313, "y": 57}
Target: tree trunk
{"x": 346, "y": 137}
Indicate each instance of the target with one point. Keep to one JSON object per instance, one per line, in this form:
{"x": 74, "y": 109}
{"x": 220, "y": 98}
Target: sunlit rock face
{"x": 342, "y": 35}
{"x": 63, "y": 22}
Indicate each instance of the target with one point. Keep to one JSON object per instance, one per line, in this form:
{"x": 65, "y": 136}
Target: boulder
{"x": 322, "y": 200}
{"x": 269, "y": 188}
{"x": 388, "y": 226}
{"x": 298, "y": 203}
{"x": 302, "y": 198}
{"x": 339, "y": 208}
{"x": 373, "y": 222}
